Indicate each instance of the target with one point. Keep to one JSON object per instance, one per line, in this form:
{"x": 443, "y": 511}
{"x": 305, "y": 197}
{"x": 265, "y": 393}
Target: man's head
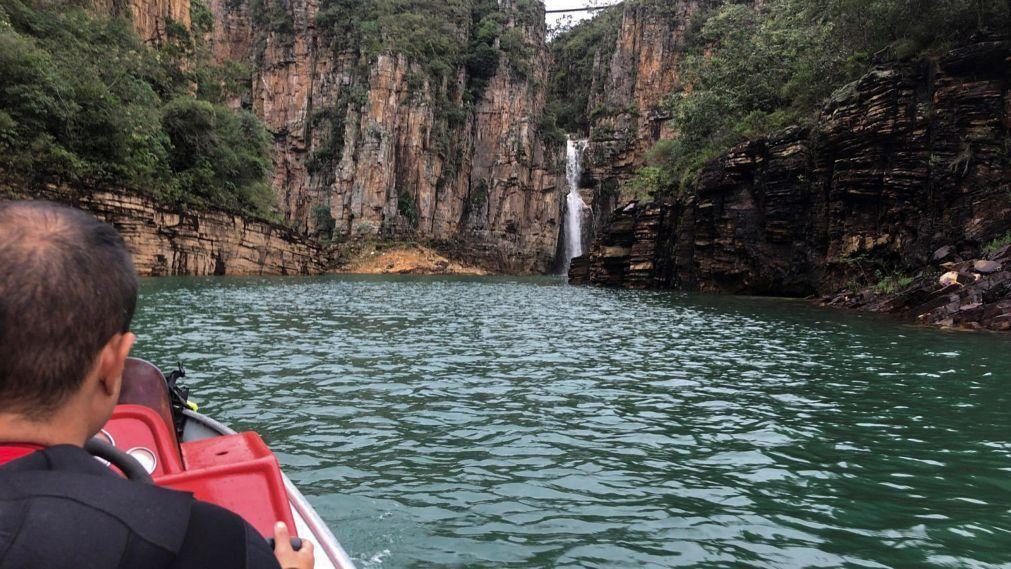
{"x": 67, "y": 295}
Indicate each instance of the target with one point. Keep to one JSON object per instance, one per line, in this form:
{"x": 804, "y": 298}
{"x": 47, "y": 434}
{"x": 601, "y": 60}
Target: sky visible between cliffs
{"x": 555, "y": 19}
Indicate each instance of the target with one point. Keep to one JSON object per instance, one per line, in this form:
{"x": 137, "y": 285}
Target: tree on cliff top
{"x": 83, "y": 101}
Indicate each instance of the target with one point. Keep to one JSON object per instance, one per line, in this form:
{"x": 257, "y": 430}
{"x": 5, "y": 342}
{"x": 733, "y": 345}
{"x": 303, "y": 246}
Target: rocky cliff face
{"x": 626, "y": 104}
{"x": 168, "y": 241}
{"x": 906, "y": 161}
{"x": 366, "y": 146}
{"x": 151, "y": 18}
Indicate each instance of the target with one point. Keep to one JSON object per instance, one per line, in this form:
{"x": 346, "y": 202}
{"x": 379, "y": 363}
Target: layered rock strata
{"x": 168, "y": 241}
{"x": 905, "y": 161}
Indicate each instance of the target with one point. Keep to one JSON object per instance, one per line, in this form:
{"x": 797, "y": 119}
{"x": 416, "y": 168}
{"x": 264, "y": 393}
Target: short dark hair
{"x": 67, "y": 286}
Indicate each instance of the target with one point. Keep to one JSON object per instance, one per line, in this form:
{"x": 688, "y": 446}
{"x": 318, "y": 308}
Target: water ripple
{"x": 523, "y": 423}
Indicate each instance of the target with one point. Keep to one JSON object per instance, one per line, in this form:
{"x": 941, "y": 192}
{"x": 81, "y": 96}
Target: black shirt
{"x": 61, "y": 509}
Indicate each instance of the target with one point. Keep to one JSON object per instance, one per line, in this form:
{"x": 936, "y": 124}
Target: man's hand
{"x": 288, "y": 557}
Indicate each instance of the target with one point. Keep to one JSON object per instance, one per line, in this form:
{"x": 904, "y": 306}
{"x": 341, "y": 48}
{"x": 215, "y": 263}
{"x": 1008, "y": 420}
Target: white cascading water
{"x": 574, "y": 205}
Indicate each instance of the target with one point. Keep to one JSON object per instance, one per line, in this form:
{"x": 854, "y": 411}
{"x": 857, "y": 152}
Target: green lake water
{"x": 498, "y": 422}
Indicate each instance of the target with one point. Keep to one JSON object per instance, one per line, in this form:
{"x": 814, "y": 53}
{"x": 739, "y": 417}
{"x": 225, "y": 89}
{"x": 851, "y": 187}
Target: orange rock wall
{"x": 149, "y": 17}
{"x": 630, "y": 89}
{"x": 492, "y": 188}
{"x": 488, "y": 186}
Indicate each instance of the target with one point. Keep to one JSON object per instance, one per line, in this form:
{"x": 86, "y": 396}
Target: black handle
{"x": 296, "y": 543}
{"x": 132, "y": 469}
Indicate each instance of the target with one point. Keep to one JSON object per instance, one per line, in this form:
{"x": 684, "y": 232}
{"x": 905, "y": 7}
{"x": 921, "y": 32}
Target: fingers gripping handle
{"x": 296, "y": 543}
{"x": 291, "y": 552}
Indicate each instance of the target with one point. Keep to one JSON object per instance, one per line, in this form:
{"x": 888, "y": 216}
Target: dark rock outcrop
{"x": 973, "y": 294}
{"x": 907, "y": 165}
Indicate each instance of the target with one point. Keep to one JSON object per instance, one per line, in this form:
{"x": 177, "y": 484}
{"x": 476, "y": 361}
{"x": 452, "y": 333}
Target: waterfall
{"x": 574, "y": 205}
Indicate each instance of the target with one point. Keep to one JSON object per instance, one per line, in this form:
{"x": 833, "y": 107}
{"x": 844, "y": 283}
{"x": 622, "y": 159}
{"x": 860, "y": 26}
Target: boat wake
{"x": 375, "y": 561}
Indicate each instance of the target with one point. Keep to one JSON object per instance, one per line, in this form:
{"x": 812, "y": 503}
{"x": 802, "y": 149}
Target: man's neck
{"x": 15, "y": 428}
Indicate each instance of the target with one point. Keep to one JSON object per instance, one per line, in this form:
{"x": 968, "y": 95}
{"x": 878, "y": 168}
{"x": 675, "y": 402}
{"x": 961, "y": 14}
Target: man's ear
{"x": 113, "y": 360}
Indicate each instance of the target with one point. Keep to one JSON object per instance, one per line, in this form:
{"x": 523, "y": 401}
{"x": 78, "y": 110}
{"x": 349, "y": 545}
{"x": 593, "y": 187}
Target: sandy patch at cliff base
{"x": 407, "y": 260}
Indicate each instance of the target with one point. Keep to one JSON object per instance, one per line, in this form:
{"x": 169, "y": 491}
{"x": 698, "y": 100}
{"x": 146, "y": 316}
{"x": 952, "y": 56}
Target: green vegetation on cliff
{"x": 440, "y": 39}
{"x": 441, "y": 35}
{"x": 757, "y": 70}
{"x": 84, "y": 101}
{"x": 576, "y": 52}
{"x": 756, "y": 67}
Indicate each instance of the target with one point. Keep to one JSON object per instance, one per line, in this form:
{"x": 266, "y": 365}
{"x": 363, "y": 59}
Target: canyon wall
{"x": 371, "y": 146}
{"x": 626, "y": 108}
{"x": 151, "y": 18}
{"x": 367, "y": 140}
{"x": 907, "y": 161}
{"x": 167, "y": 241}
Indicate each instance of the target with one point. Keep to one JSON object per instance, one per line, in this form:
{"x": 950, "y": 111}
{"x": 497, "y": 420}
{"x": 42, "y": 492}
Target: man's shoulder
{"x": 68, "y": 484}
{"x": 54, "y": 532}
{"x": 70, "y": 472}
{"x": 67, "y": 481}
{"x": 220, "y": 538}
